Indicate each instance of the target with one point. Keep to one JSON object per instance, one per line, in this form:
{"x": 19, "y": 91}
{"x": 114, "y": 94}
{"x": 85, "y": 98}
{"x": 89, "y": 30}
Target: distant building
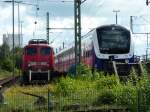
{"x": 8, "y": 39}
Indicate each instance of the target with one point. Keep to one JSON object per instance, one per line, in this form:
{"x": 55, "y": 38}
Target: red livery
{"x": 37, "y": 61}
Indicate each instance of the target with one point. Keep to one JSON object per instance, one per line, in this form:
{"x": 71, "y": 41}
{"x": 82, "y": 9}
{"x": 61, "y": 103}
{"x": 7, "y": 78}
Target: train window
{"x": 45, "y": 51}
{"x": 116, "y": 41}
{"x": 31, "y": 51}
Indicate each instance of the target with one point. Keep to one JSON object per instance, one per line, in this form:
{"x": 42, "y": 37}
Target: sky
{"x": 93, "y": 14}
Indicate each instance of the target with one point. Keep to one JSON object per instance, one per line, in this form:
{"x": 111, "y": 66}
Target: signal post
{"x": 77, "y": 28}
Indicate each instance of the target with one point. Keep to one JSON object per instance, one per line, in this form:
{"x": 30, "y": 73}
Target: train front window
{"x": 31, "y": 51}
{"x": 45, "y": 50}
{"x": 114, "y": 42}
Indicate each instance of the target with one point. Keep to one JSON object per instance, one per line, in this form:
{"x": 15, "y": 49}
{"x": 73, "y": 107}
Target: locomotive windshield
{"x": 45, "y": 50}
{"x": 31, "y": 51}
{"x": 114, "y": 41}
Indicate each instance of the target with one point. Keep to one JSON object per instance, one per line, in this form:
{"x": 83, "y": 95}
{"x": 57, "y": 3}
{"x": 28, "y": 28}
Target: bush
{"x": 68, "y": 85}
{"x": 83, "y": 71}
{"x": 109, "y": 88}
{"x": 107, "y": 82}
{"x": 106, "y": 98}
{"x": 7, "y": 64}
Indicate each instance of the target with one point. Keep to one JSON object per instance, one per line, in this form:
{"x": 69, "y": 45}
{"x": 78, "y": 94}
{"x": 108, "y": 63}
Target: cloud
{"x": 94, "y": 13}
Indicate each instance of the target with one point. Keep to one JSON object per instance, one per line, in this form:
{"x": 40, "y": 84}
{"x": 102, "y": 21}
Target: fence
{"x": 127, "y": 99}
{"x": 77, "y": 101}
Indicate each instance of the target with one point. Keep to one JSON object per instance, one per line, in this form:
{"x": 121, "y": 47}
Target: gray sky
{"x": 94, "y": 13}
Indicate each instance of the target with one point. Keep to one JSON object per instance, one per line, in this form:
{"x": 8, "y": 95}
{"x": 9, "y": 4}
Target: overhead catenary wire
{"x": 145, "y": 20}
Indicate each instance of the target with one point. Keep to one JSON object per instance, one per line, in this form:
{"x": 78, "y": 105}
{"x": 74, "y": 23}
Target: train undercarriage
{"x": 36, "y": 76}
{"x": 123, "y": 70}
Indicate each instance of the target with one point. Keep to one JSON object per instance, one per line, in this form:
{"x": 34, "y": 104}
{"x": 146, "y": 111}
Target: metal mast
{"x": 47, "y": 27}
{"x": 147, "y": 2}
{"x": 77, "y": 26}
{"x": 13, "y": 31}
{"x": 131, "y": 24}
{"x": 116, "y": 11}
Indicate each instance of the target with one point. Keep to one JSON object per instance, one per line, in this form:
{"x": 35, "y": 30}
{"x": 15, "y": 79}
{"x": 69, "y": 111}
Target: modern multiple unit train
{"x": 37, "y": 60}
{"x": 99, "y": 46}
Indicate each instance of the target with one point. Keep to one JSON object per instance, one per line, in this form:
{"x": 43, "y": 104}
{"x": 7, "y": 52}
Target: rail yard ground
{"x": 84, "y": 92}
{"x": 4, "y": 74}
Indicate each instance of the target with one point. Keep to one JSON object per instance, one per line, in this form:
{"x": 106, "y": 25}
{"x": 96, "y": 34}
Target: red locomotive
{"x": 37, "y": 60}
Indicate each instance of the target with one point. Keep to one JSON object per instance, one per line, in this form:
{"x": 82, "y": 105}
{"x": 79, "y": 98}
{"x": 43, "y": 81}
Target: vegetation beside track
{"x": 6, "y": 65}
{"x": 17, "y": 101}
{"x": 86, "y": 89}
{"x": 4, "y": 74}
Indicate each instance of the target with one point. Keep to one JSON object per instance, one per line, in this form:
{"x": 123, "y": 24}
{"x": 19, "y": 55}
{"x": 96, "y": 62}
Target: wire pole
{"x": 21, "y": 35}
{"x": 147, "y": 2}
{"x": 47, "y": 28}
{"x": 18, "y": 3}
{"x": 131, "y": 24}
{"x": 77, "y": 26}
{"x": 116, "y": 11}
{"x": 13, "y": 36}
{"x": 147, "y": 48}
{"x": 19, "y": 25}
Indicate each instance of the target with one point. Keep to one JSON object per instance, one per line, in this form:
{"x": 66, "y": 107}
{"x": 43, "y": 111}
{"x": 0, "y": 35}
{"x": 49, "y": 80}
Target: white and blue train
{"x": 99, "y": 46}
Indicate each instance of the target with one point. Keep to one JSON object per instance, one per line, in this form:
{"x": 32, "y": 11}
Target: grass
{"x": 67, "y": 91}
{"x": 16, "y": 100}
{"x": 4, "y": 74}
{"x": 84, "y": 90}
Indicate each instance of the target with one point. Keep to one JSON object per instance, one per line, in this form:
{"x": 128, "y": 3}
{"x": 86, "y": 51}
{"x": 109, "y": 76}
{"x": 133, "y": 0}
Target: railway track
{"x": 9, "y": 80}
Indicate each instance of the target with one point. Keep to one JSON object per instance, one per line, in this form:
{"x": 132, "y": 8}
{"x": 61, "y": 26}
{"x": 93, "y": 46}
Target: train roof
{"x": 38, "y": 42}
{"x": 84, "y": 36}
{"x": 112, "y": 25}
{"x": 63, "y": 51}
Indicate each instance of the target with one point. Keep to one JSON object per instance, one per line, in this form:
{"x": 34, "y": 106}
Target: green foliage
{"x": 83, "y": 69}
{"x": 143, "y": 87}
{"x": 4, "y": 51}
{"x": 6, "y": 64}
{"x": 68, "y": 85}
{"x": 4, "y": 73}
{"x": 108, "y": 88}
{"x": 18, "y": 57}
{"x": 126, "y": 95}
{"x": 106, "y": 98}
{"x": 6, "y": 57}
{"x": 133, "y": 77}
{"x": 107, "y": 82}
{"x": 98, "y": 89}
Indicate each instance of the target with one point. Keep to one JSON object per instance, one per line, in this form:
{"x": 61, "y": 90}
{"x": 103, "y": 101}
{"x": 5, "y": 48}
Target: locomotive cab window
{"x": 45, "y": 51}
{"x": 31, "y": 51}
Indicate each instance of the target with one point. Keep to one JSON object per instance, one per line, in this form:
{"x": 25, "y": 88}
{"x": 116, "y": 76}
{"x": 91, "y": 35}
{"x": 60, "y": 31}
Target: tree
{"x": 18, "y": 57}
{"x": 4, "y": 51}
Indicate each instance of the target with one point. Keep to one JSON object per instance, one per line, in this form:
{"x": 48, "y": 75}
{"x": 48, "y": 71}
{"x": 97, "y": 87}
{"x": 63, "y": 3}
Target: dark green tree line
{"x": 6, "y": 57}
